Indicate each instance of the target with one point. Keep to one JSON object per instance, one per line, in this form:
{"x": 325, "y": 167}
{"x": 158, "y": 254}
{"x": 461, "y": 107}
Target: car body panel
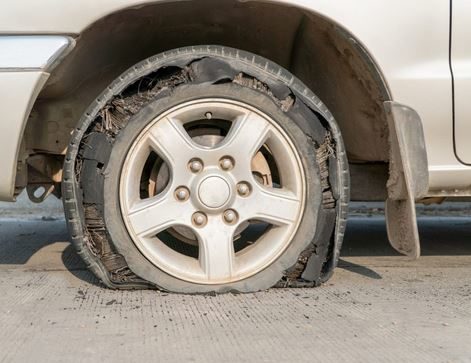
{"x": 18, "y": 90}
{"x": 24, "y": 62}
{"x": 408, "y": 41}
{"x": 31, "y": 52}
{"x": 461, "y": 66}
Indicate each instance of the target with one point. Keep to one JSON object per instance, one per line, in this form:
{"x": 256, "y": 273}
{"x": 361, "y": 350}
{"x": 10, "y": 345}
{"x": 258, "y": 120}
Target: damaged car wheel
{"x": 205, "y": 170}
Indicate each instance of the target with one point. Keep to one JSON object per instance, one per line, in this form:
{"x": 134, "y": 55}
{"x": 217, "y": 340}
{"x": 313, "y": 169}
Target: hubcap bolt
{"x": 199, "y": 219}
{"x": 243, "y": 189}
{"x": 226, "y": 163}
{"x": 182, "y": 194}
{"x": 230, "y": 216}
{"x": 196, "y": 165}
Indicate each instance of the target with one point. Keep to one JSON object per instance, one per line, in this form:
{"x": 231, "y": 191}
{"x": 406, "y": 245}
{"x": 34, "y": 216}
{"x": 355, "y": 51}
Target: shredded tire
{"x": 158, "y": 77}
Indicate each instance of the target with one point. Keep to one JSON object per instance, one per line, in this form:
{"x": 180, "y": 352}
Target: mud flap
{"x": 408, "y": 177}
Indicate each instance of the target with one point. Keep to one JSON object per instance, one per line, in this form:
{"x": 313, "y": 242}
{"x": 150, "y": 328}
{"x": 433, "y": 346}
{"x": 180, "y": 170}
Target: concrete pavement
{"x": 377, "y": 307}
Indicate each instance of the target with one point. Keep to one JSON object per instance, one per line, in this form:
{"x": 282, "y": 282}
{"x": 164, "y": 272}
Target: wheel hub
{"x": 214, "y": 192}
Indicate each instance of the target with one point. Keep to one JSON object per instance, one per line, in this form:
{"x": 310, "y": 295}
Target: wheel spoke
{"x": 216, "y": 249}
{"x": 170, "y": 140}
{"x": 151, "y": 216}
{"x": 276, "y": 206}
{"x": 246, "y": 137}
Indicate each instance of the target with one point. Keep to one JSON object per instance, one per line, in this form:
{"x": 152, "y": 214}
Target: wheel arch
{"x": 324, "y": 55}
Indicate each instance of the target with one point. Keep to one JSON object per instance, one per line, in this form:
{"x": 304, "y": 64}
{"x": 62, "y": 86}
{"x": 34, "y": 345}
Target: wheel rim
{"x": 213, "y": 193}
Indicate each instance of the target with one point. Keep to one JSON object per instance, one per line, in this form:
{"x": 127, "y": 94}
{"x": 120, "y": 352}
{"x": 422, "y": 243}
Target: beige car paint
{"x": 461, "y": 66}
{"x": 408, "y": 40}
{"x": 18, "y": 90}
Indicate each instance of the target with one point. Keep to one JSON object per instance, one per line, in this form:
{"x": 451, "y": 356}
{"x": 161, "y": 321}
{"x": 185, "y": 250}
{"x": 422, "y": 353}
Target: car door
{"x": 460, "y": 58}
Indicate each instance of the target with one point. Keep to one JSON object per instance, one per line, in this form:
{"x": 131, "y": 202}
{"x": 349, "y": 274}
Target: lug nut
{"x": 199, "y": 219}
{"x": 230, "y": 216}
{"x": 243, "y": 189}
{"x": 209, "y": 115}
{"x": 226, "y": 163}
{"x": 182, "y": 194}
{"x": 196, "y": 165}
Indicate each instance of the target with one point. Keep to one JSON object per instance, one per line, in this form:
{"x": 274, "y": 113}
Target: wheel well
{"x": 322, "y": 54}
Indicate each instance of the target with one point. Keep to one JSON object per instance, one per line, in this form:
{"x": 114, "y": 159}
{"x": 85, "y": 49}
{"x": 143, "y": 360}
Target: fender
{"x": 416, "y": 66}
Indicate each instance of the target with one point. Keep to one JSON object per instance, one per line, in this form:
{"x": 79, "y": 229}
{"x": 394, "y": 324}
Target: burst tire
{"x": 102, "y": 142}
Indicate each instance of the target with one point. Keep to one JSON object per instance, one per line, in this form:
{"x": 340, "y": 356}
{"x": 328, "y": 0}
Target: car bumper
{"x": 25, "y": 63}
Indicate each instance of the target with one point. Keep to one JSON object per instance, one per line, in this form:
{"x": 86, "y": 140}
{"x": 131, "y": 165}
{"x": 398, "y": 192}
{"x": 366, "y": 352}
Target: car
{"x": 208, "y": 146}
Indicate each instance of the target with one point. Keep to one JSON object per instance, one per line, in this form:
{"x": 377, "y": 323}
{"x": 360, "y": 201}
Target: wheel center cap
{"x": 214, "y": 192}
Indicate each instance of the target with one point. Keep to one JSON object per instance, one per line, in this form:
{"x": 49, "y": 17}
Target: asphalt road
{"x": 377, "y": 307}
